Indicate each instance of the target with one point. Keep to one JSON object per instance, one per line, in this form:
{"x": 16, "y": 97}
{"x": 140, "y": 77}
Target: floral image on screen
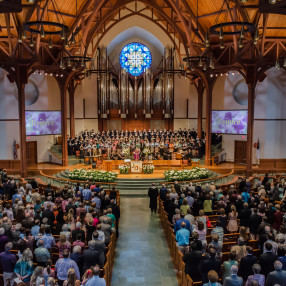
{"x": 43, "y": 122}
{"x": 229, "y": 121}
{"x": 135, "y": 58}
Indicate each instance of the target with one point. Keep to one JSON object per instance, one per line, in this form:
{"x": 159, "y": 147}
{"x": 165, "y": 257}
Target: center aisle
{"x": 142, "y": 256}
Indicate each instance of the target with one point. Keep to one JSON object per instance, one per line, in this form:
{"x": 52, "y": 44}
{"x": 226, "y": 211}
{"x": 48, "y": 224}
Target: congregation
{"x": 231, "y": 237}
{"x": 151, "y": 144}
{"x": 55, "y": 236}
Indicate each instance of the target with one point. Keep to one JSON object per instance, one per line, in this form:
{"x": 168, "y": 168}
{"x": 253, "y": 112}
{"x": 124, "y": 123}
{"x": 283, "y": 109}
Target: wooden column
{"x": 72, "y": 117}
{"x": 64, "y": 123}
{"x": 200, "y": 89}
{"x": 208, "y": 157}
{"x": 250, "y": 121}
{"x": 22, "y": 129}
{"x": 251, "y": 83}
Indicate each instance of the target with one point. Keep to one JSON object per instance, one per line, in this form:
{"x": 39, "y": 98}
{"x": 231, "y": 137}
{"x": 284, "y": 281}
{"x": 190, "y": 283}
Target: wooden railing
{"x": 177, "y": 257}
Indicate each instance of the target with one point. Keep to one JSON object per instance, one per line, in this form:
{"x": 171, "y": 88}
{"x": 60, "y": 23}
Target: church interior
{"x": 110, "y": 109}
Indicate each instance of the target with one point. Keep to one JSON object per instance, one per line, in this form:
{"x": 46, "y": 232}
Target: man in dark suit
{"x": 99, "y": 246}
{"x": 244, "y": 215}
{"x": 153, "y": 195}
{"x": 210, "y": 263}
{"x": 48, "y": 190}
{"x": 192, "y": 261}
{"x": 246, "y": 263}
{"x": 163, "y": 192}
{"x": 277, "y": 277}
{"x": 177, "y": 187}
{"x": 267, "y": 259}
{"x": 49, "y": 215}
{"x": 170, "y": 206}
{"x": 254, "y": 222}
{"x": 77, "y": 231}
{"x": 265, "y": 180}
{"x": 90, "y": 256}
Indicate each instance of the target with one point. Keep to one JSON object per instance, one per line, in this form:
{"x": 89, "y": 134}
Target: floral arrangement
{"x": 148, "y": 169}
{"x": 146, "y": 151}
{"x": 186, "y": 175}
{"x": 125, "y": 151}
{"x": 92, "y": 175}
{"x": 124, "y": 169}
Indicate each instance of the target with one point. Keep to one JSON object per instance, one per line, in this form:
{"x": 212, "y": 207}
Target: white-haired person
{"x": 260, "y": 278}
{"x": 278, "y": 276}
{"x": 233, "y": 279}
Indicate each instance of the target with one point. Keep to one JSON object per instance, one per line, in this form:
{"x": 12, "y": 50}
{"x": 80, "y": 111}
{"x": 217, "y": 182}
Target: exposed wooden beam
{"x": 269, "y": 49}
{"x": 232, "y": 18}
{"x": 4, "y": 50}
{"x": 210, "y": 14}
{"x": 7, "y": 20}
{"x": 60, "y": 13}
{"x": 81, "y": 13}
{"x": 265, "y": 20}
{"x": 31, "y": 11}
{"x": 51, "y": 55}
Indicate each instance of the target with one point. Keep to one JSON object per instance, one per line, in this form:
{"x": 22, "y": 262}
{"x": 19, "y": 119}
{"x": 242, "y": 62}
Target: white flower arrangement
{"x": 125, "y": 152}
{"x": 124, "y": 169}
{"x": 148, "y": 168}
{"x": 186, "y": 175}
{"x": 146, "y": 151}
{"x": 92, "y": 175}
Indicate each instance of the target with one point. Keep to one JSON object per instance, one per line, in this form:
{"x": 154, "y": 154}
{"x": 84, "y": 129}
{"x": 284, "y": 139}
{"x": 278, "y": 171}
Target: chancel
{"x": 142, "y": 142}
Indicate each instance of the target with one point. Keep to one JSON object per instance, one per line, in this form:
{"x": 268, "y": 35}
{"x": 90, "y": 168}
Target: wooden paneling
{"x": 10, "y": 164}
{"x": 273, "y": 163}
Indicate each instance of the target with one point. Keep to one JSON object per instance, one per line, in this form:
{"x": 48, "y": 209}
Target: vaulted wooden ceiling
{"x": 186, "y": 22}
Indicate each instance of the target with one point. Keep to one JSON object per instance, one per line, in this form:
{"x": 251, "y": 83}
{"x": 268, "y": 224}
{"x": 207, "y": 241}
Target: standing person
{"x": 153, "y": 195}
{"x": 72, "y": 279}
{"x": 182, "y": 238}
{"x": 8, "y": 262}
{"x": 95, "y": 280}
{"x": 233, "y": 279}
{"x": 246, "y": 264}
{"x": 208, "y": 205}
{"x": 254, "y": 222}
{"x": 265, "y": 180}
{"x": 192, "y": 261}
{"x": 232, "y": 223}
{"x": 63, "y": 265}
{"x": 24, "y": 267}
{"x": 163, "y": 192}
{"x": 276, "y": 277}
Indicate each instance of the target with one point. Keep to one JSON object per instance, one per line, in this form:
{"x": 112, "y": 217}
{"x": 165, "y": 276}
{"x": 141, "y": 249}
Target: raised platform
{"x": 131, "y": 184}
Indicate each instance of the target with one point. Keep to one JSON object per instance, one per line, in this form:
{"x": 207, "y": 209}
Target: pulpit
{"x": 136, "y": 166}
{"x": 108, "y": 165}
{"x": 195, "y": 163}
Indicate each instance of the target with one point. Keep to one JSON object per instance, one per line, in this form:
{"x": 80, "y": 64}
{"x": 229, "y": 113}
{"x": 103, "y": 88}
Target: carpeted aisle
{"x": 142, "y": 256}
